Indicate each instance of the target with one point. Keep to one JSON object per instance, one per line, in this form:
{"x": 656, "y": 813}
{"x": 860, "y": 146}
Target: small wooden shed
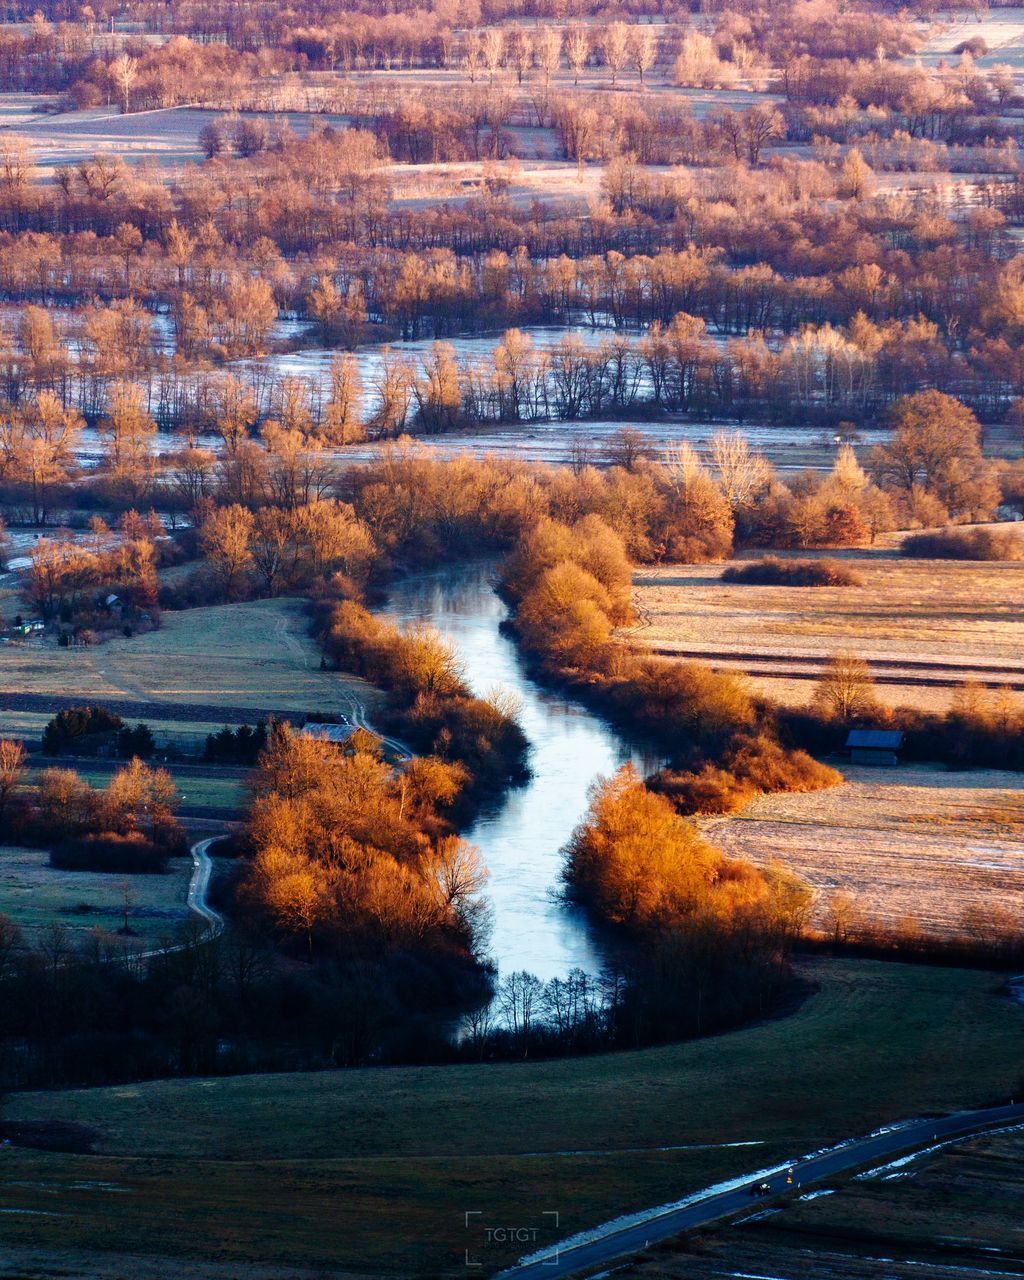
{"x": 874, "y": 746}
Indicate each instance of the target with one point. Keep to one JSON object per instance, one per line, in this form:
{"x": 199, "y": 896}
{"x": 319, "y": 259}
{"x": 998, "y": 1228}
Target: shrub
{"x": 771, "y": 571}
{"x": 966, "y": 544}
{"x": 130, "y": 854}
{"x": 753, "y": 765}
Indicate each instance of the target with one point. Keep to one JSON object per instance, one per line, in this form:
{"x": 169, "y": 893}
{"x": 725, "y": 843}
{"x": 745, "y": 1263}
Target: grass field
{"x": 256, "y": 655}
{"x": 950, "y": 619}
{"x": 306, "y": 1170}
{"x": 914, "y": 841}
{"x": 36, "y": 896}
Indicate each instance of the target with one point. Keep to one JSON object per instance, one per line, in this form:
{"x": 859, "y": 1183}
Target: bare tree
{"x": 547, "y": 52}
{"x": 12, "y": 770}
{"x": 643, "y": 50}
{"x": 845, "y": 688}
{"x": 124, "y": 72}
{"x": 576, "y": 43}
{"x": 742, "y": 474}
{"x": 492, "y": 50}
{"x": 615, "y": 47}
{"x": 519, "y": 997}
{"x": 517, "y": 51}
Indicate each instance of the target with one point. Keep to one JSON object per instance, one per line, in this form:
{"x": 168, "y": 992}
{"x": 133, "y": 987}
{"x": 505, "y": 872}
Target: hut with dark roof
{"x": 874, "y": 746}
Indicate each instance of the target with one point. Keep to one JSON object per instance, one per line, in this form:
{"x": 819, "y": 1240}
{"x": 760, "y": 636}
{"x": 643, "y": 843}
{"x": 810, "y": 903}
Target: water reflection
{"x": 521, "y": 837}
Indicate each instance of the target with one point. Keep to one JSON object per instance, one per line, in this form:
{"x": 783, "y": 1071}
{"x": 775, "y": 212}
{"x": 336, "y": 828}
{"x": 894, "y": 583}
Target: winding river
{"x": 520, "y": 838}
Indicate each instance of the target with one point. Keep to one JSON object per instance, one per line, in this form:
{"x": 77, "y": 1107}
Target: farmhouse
{"x": 874, "y": 746}
{"x": 338, "y": 733}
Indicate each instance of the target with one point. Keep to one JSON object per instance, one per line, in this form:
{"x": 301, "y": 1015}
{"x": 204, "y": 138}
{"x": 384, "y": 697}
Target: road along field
{"x": 300, "y": 1171}
{"x": 949, "y": 1214}
{"x": 914, "y": 843}
{"x": 925, "y": 626}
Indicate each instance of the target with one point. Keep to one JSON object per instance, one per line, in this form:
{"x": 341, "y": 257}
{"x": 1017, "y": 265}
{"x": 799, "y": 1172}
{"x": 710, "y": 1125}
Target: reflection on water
{"x": 521, "y": 837}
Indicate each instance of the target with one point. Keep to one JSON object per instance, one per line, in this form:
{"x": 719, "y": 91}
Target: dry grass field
{"x": 35, "y": 897}
{"x": 916, "y": 621}
{"x": 907, "y": 843}
{"x": 256, "y": 655}
{"x": 374, "y": 1171}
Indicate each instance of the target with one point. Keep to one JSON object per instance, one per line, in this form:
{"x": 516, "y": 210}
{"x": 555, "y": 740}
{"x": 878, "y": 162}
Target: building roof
{"x": 327, "y": 732}
{"x": 878, "y": 739}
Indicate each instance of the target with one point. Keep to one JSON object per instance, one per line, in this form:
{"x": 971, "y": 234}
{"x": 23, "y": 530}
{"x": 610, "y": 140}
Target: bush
{"x": 129, "y": 855}
{"x": 73, "y": 727}
{"x": 966, "y": 544}
{"x": 771, "y": 571}
{"x": 753, "y": 765}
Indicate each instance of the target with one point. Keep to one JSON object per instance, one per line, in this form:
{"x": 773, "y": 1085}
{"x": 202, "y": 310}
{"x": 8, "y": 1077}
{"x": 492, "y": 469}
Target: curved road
{"x": 662, "y": 1223}
{"x": 199, "y": 885}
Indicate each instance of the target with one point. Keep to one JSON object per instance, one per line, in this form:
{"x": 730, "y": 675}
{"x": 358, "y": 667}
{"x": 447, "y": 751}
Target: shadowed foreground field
{"x": 373, "y": 1172}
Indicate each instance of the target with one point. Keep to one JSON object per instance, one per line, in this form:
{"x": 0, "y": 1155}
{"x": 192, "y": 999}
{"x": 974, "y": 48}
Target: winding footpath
{"x": 615, "y": 1240}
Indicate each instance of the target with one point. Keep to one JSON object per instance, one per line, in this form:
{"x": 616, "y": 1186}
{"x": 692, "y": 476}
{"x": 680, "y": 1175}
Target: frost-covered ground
{"x": 1001, "y": 29}
{"x": 915, "y": 842}
{"x": 168, "y": 137}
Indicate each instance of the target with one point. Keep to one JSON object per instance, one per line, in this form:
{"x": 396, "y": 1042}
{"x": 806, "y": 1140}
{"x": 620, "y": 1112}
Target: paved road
{"x": 198, "y": 887}
{"x": 661, "y": 1225}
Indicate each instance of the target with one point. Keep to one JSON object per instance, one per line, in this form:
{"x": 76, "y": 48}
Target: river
{"x": 521, "y": 836}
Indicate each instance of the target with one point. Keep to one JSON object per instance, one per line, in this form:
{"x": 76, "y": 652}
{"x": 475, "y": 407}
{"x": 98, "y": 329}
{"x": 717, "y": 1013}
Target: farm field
{"x": 36, "y": 897}
{"x": 952, "y": 1214}
{"x": 912, "y": 843}
{"x": 167, "y": 138}
{"x": 299, "y": 1170}
{"x": 915, "y": 621}
{"x": 255, "y": 656}
{"x": 1002, "y": 30}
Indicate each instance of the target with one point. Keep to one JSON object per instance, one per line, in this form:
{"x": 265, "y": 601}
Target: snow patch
{"x": 903, "y": 1161}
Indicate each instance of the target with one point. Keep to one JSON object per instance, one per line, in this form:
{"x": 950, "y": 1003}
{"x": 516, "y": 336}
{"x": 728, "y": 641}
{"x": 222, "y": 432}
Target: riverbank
{"x": 520, "y": 837}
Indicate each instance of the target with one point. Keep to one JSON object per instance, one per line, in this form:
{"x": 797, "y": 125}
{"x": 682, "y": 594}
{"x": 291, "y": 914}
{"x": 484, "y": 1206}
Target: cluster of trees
{"x": 351, "y": 859}
{"x": 712, "y": 934}
{"x": 431, "y": 705}
{"x": 275, "y": 549}
{"x": 89, "y": 1014}
{"x": 982, "y": 728}
{"x": 773, "y": 571}
{"x": 241, "y": 745}
{"x": 69, "y": 582}
{"x": 570, "y": 587}
{"x": 93, "y": 730}
{"x": 129, "y": 826}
